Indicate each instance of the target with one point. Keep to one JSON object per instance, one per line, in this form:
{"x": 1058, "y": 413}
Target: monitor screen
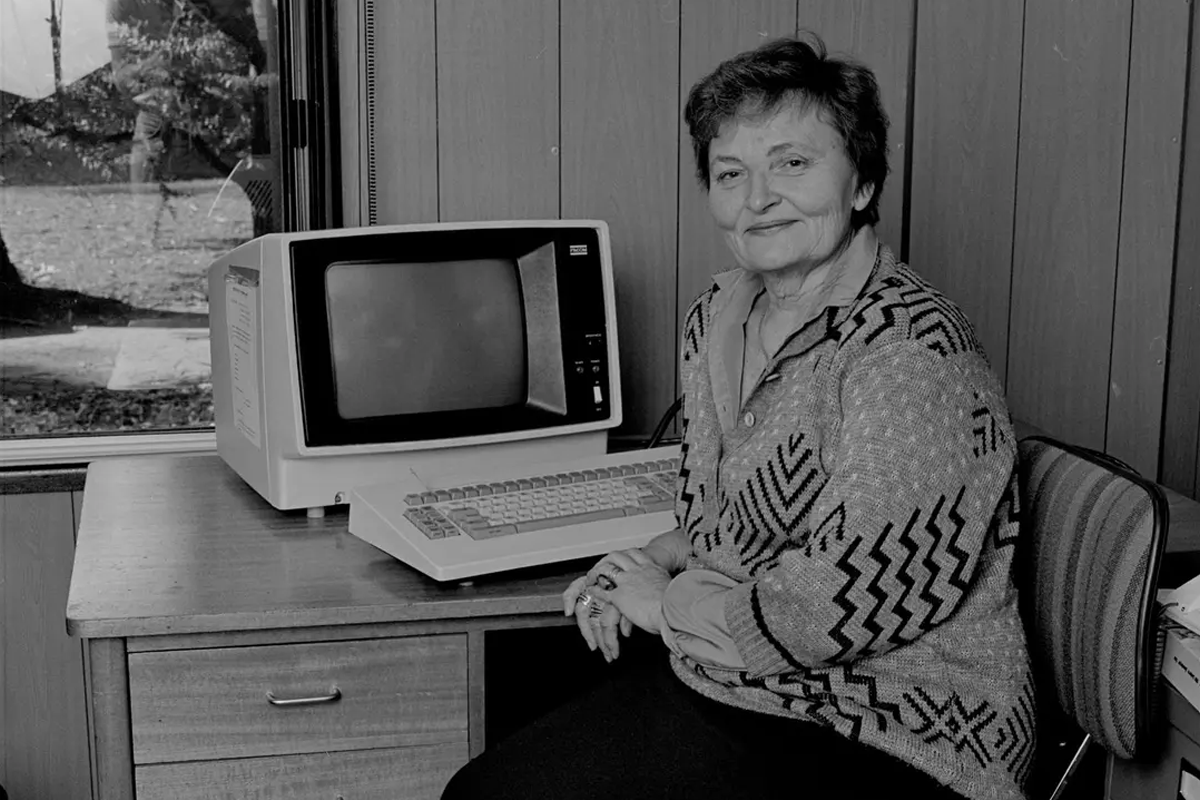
{"x": 421, "y": 337}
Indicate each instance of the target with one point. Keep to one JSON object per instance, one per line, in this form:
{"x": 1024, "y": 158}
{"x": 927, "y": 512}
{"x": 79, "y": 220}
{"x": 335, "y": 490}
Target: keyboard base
{"x": 378, "y": 516}
{"x": 449, "y": 560}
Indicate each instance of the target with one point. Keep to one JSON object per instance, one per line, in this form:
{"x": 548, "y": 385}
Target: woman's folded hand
{"x": 636, "y": 587}
{"x": 599, "y": 622}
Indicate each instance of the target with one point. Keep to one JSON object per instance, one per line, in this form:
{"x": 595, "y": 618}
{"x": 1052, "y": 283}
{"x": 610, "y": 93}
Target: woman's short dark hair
{"x": 759, "y": 82}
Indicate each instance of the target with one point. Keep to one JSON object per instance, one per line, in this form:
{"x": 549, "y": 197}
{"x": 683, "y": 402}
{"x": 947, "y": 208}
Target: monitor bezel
{"x": 442, "y": 429}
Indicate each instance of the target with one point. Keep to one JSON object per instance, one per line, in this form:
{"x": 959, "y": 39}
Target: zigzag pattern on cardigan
{"x": 904, "y": 298}
{"x": 1007, "y": 524}
{"x": 780, "y": 498}
{"x": 923, "y": 603}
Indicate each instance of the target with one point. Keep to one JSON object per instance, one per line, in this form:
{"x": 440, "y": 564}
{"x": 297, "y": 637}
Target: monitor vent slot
{"x": 369, "y": 90}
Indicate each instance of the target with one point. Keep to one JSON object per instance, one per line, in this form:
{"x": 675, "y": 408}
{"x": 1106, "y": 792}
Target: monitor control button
{"x": 597, "y": 394}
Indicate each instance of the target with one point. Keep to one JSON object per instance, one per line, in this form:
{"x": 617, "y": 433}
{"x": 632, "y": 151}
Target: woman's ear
{"x": 863, "y": 196}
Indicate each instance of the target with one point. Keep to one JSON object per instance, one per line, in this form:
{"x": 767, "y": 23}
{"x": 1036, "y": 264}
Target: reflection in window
{"x": 137, "y": 142}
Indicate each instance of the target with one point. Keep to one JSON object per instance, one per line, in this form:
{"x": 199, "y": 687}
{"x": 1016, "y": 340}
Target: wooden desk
{"x": 197, "y": 598}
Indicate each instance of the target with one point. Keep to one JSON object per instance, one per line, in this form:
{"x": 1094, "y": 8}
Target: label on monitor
{"x": 241, "y": 319}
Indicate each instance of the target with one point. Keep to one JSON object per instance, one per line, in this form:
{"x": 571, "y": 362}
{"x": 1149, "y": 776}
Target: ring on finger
{"x": 608, "y": 580}
{"x": 594, "y": 606}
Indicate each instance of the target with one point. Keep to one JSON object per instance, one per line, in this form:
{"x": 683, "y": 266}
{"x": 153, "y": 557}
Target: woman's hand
{"x": 637, "y": 589}
{"x": 599, "y": 622}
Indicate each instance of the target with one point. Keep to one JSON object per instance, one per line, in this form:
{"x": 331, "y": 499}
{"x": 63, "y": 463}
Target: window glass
{"x": 138, "y": 140}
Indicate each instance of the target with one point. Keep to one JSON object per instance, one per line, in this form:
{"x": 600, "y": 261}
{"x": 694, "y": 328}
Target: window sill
{"x": 84, "y": 449}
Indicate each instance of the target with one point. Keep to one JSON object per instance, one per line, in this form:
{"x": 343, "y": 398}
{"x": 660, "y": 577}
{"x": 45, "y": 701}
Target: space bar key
{"x": 570, "y": 519}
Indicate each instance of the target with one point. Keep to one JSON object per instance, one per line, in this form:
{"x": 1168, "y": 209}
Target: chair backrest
{"x": 1087, "y": 572}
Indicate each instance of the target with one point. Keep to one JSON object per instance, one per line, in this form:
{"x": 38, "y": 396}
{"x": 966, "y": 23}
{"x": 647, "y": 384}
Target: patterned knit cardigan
{"x": 867, "y": 503}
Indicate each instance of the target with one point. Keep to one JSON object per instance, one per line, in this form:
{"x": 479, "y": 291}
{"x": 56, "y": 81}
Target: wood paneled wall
{"x": 1040, "y": 172}
{"x": 43, "y": 719}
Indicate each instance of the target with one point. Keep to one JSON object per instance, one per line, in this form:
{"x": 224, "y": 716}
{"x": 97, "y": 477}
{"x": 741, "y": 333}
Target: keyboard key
{"x": 491, "y": 531}
{"x": 424, "y": 523}
{"x": 570, "y": 519}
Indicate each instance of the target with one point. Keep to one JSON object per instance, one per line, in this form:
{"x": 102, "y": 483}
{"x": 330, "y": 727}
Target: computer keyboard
{"x": 456, "y": 527}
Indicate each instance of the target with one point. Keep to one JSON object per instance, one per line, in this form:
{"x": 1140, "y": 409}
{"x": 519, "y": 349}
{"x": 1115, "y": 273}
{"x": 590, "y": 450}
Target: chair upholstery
{"x": 1087, "y": 572}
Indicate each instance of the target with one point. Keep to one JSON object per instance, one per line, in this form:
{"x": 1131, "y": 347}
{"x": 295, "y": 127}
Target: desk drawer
{"x": 209, "y": 704}
{"x": 405, "y": 772}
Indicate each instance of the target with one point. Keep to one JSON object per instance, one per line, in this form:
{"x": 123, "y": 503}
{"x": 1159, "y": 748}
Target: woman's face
{"x": 781, "y": 189}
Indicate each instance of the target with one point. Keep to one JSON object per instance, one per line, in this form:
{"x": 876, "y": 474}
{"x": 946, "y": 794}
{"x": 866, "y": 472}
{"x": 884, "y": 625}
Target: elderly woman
{"x": 837, "y": 600}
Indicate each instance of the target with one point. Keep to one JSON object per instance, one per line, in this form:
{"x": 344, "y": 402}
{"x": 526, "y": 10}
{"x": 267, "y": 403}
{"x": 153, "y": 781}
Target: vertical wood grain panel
{"x": 964, "y": 157}
{"x": 1065, "y": 230}
{"x": 404, "y": 132}
{"x": 476, "y": 693}
{"x": 1145, "y": 254}
{"x": 89, "y": 755}
{"x": 46, "y": 749}
{"x": 497, "y": 67}
{"x": 5, "y": 602}
{"x": 1180, "y": 460}
{"x": 619, "y": 159}
{"x": 880, "y": 35}
{"x": 710, "y": 32}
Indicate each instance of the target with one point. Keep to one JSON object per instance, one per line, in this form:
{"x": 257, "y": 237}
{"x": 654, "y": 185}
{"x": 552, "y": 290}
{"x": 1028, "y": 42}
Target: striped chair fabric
{"x": 1093, "y": 536}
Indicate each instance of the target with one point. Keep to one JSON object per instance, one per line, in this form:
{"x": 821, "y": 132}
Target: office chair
{"x": 1087, "y": 566}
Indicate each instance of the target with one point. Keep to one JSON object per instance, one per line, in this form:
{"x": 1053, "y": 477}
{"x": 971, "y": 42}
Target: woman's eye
{"x": 728, "y": 175}
{"x": 796, "y": 163}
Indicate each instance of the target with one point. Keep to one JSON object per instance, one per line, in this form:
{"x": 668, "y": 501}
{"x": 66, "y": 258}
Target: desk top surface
{"x": 182, "y": 545}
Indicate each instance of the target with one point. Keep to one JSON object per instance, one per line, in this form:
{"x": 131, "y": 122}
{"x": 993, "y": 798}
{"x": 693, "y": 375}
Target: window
{"x": 137, "y": 142}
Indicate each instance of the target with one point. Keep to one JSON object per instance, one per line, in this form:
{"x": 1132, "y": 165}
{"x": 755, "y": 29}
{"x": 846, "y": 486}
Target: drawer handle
{"x": 332, "y": 697}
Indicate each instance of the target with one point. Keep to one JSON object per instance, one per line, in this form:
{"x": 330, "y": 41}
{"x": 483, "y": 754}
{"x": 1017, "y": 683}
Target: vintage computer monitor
{"x": 343, "y": 357}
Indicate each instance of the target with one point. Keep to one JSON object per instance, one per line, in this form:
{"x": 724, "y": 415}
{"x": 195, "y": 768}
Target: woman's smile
{"x": 768, "y": 228}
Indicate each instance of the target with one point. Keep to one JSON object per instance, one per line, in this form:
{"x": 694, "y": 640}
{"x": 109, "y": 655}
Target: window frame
{"x": 307, "y": 165}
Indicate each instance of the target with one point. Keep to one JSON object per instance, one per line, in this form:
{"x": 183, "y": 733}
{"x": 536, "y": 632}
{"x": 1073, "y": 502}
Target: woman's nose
{"x": 762, "y": 195}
